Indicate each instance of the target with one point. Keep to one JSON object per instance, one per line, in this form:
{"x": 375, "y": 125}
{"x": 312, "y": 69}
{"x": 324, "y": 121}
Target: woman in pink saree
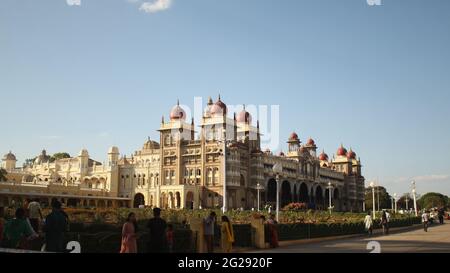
{"x": 129, "y": 244}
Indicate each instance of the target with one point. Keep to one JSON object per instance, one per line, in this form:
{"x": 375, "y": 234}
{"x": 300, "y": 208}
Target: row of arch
{"x": 168, "y": 200}
{"x": 316, "y": 197}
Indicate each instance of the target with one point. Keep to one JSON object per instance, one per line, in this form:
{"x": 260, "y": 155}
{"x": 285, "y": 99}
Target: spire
{"x": 244, "y": 107}
{"x": 162, "y": 120}
{"x": 210, "y": 101}
{"x": 178, "y": 102}
{"x": 219, "y": 96}
{"x": 234, "y": 116}
{"x": 192, "y": 121}
{"x": 257, "y": 124}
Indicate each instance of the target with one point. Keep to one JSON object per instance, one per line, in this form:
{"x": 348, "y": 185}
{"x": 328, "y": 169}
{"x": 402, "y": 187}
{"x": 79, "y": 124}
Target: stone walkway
{"x": 405, "y": 240}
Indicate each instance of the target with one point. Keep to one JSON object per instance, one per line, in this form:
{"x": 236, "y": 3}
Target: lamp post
{"x": 224, "y": 166}
{"x": 413, "y": 183}
{"x": 258, "y": 188}
{"x": 330, "y": 188}
{"x": 277, "y": 170}
{"x": 372, "y": 185}
{"x": 395, "y": 202}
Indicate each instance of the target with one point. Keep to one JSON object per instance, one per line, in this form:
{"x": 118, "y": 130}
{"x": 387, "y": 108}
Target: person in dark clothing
{"x": 157, "y": 227}
{"x": 54, "y": 228}
{"x": 441, "y": 215}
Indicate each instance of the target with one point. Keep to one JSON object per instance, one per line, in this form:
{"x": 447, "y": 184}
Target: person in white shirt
{"x": 425, "y": 220}
{"x": 368, "y": 223}
{"x": 35, "y": 214}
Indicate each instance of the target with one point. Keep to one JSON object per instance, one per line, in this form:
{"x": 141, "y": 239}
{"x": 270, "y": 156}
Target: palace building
{"x": 182, "y": 171}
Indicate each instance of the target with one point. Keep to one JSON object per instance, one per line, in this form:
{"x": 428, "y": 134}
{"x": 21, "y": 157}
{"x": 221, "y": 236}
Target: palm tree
{"x": 3, "y": 174}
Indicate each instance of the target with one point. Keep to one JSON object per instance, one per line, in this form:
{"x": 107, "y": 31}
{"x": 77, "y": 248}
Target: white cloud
{"x": 155, "y": 6}
{"x": 73, "y": 2}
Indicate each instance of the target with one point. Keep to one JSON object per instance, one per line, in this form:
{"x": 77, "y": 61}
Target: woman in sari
{"x": 227, "y": 235}
{"x": 129, "y": 244}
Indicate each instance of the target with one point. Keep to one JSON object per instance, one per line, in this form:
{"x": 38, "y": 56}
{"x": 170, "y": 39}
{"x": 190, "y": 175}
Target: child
{"x": 169, "y": 236}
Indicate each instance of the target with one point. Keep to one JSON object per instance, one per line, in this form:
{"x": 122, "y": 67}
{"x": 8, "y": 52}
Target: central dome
{"x": 177, "y": 113}
{"x": 244, "y": 117}
{"x": 219, "y": 108}
{"x": 341, "y": 151}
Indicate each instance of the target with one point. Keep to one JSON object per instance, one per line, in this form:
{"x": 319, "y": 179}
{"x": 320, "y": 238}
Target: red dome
{"x": 351, "y": 154}
{"x": 219, "y": 108}
{"x": 341, "y": 151}
{"x": 311, "y": 142}
{"x": 323, "y": 156}
{"x": 244, "y": 117}
{"x": 177, "y": 113}
{"x": 293, "y": 136}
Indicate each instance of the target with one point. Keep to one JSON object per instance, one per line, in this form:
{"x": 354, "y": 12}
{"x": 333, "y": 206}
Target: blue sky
{"x": 102, "y": 73}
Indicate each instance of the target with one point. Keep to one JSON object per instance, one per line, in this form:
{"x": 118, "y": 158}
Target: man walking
{"x": 54, "y": 228}
{"x": 208, "y": 225}
{"x": 425, "y": 220}
{"x": 157, "y": 227}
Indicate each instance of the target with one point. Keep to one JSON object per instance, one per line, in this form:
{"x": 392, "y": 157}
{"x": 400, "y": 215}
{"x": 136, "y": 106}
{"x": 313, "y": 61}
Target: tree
{"x": 59, "y": 156}
{"x": 3, "y": 174}
{"x": 29, "y": 162}
{"x": 382, "y": 195}
{"x": 401, "y": 203}
{"x": 432, "y": 200}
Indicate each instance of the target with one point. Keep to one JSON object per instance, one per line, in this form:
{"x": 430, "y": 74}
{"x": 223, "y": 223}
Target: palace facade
{"x": 184, "y": 171}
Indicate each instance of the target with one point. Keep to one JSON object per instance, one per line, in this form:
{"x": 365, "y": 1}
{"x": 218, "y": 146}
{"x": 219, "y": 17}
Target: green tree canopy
{"x": 401, "y": 202}
{"x": 433, "y": 200}
{"x": 58, "y": 156}
{"x": 381, "y": 194}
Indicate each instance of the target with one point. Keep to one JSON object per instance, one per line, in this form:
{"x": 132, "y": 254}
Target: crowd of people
{"x": 385, "y": 219}
{"x": 28, "y": 224}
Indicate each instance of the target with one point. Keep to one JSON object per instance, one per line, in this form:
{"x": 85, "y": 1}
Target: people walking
{"x": 385, "y": 222}
{"x": 55, "y": 226}
{"x": 17, "y": 231}
{"x": 157, "y": 227}
{"x": 425, "y": 220}
{"x": 35, "y": 214}
{"x": 208, "y": 227}
{"x": 273, "y": 231}
{"x": 368, "y": 223}
{"x": 129, "y": 230}
{"x": 227, "y": 235}
{"x": 441, "y": 214}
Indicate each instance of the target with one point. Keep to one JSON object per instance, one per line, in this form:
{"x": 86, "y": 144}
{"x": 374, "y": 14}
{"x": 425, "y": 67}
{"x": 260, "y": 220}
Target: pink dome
{"x": 341, "y": 151}
{"x": 323, "y": 156}
{"x": 351, "y": 154}
{"x": 244, "y": 117}
{"x": 311, "y": 142}
{"x": 177, "y": 113}
{"x": 219, "y": 108}
{"x": 293, "y": 136}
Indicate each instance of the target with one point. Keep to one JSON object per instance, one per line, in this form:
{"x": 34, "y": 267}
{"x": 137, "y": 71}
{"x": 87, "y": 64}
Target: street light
{"x": 395, "y": 202}
{"x": 258, "y": 188}
{"x": 413, "y": 183}
{"x": 372, "y": 185}
{"x": 224, "y": 166}
{"x": 330, "y": 190}
{"x": 278, "y": 170}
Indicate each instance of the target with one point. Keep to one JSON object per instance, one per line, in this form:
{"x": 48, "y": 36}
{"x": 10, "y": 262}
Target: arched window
{"x": 210, "y": 176}
{"x": 199, "y": 172}
{"x": 216, "y": 176}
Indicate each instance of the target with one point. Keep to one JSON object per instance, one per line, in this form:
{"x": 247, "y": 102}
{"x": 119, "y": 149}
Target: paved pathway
{"x": 436, "y": 240}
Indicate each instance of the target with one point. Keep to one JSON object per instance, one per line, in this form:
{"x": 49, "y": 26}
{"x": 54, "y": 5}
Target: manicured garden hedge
{"x": 308, "y": 231}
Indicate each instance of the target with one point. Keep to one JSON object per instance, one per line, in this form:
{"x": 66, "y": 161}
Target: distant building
{"x": 180, "y": 171}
